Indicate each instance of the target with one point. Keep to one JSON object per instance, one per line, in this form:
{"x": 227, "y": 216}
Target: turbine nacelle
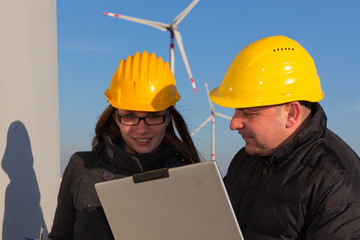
{"x": 172, "y": 28}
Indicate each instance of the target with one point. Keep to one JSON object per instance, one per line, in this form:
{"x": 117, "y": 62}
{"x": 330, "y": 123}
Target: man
{"x": 294, "y": 179}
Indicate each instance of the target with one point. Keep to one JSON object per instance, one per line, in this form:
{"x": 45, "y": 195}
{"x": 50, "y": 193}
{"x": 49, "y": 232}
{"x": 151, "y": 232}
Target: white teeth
{"x": 143, "y": 140}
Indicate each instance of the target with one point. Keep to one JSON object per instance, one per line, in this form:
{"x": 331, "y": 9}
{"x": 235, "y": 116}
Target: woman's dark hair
{"x": 176, "y": 128}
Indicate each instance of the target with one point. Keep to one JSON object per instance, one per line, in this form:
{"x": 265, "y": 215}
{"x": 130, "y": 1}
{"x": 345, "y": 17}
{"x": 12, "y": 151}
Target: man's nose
{"x": 236, "y": 121}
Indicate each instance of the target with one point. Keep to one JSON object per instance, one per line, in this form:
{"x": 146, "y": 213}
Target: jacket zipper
{"x": 265, "y": 172}
{"x": 267, "y": 167}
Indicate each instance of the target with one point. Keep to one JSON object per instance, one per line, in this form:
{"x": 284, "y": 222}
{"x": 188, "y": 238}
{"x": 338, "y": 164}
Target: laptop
{"x": 188, "y": 202}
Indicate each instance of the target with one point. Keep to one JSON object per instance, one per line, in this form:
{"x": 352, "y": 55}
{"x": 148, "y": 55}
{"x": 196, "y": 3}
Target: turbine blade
{"x": 201, "y": 125}
{"x": 182, "y": 51}
{"x": 161, "y": 26}
{"x": 181, "y": 16}
{"x": 210, "y": 103}
{"x": 222, "y": 115}
{"x": 213, "y": 139}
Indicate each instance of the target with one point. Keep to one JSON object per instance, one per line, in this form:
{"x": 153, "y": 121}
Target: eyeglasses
{"x": 150, "y": 120}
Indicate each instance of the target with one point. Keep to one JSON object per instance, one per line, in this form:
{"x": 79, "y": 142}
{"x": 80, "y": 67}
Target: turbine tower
{"x": 172, "y": 28}
{"x": 211, "y": 117}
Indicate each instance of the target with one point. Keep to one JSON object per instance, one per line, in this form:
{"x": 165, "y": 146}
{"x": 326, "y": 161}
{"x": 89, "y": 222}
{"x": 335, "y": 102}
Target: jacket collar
{"x": 112, "y": 152}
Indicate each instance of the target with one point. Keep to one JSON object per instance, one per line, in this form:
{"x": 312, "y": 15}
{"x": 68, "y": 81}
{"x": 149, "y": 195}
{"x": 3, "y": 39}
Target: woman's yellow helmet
{"x": 142, "y": 82}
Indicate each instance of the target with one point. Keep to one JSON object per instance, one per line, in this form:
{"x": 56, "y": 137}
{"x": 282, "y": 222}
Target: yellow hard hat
{"x": 270, "y": 71}
{"x": 142, "y": 82}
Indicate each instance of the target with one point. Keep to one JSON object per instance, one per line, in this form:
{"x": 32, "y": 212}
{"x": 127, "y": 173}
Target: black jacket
{"x": 308, "y": 189}
{"x": 79, "y": 214}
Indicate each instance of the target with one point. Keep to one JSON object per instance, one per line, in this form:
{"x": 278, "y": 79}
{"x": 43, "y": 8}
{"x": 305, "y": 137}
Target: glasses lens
{"x": 126, "y": 120}
{"x": 149, "y": 120}
{"x": 154, "y": 120}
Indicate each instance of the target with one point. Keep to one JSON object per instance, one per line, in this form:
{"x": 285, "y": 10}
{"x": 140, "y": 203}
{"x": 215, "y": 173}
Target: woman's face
{"x": 142, "y": 135}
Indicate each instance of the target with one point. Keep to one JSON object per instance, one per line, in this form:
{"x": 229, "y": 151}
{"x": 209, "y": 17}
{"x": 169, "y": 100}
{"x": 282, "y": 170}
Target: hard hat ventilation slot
{"x": 283, "y": 49}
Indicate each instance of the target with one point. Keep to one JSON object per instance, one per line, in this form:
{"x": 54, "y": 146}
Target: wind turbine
{"x": 173, "y": 32}
{"x": 211, "y": 117}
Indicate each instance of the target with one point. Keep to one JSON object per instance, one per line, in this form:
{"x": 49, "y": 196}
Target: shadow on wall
{"x": 23, "y": 215}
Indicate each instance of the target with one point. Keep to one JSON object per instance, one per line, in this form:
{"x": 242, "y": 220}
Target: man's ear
{"x": 293, "y": 114}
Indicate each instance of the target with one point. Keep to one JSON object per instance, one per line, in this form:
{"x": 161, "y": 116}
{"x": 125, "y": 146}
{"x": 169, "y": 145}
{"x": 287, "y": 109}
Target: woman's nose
{"x": 142, "y": 126}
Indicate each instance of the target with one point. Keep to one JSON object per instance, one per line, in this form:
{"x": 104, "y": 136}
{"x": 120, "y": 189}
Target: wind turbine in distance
{"x": 173, "y": 32}
{"x": 211, "y": 117}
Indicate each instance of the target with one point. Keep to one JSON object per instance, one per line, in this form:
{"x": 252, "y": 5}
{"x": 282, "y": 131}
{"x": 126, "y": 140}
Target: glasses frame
{"x": 164, "y": 118}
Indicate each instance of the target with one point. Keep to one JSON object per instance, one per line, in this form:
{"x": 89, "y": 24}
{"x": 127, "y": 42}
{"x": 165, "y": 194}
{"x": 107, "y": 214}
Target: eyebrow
{"x": 134, "y": 113}
{"x": 248, "y": 109}
{"x": 255, "y": 108}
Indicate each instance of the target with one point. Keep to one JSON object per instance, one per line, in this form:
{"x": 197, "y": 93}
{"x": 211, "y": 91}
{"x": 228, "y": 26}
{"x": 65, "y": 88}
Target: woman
{"x": 140, "y": 131}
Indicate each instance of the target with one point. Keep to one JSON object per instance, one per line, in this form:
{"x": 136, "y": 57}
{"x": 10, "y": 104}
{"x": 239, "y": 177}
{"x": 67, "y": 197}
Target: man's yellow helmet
{"x": 143, "y": 82}
{"x": 270, "y": 71}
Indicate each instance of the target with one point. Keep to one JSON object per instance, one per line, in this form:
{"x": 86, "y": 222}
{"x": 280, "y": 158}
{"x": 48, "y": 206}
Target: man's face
{"x": 262, "y": 128}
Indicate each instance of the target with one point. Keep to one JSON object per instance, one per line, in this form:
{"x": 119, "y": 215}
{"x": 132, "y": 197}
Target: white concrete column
{"x": 29, "y": 117}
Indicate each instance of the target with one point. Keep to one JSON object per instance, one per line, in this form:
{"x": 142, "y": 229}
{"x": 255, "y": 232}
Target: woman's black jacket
{"x": 79, "y": 214}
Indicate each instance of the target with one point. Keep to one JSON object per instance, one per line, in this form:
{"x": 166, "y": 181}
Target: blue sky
{"x": 91, "y": 44}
